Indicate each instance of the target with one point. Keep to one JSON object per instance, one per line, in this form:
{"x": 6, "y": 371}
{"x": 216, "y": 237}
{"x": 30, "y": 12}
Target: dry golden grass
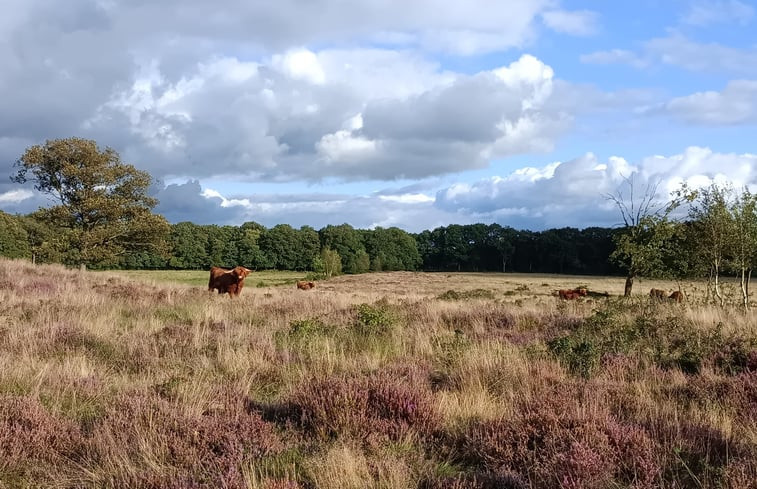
{"x": 148, "y": 376}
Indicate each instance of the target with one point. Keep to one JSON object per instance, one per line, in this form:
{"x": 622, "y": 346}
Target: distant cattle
{"x": 676, "y": 296}
{"x": 227, "y": 281}
{"x": 304, "y": 285}
{"x": 571, "y": 294}
{"x": 658, "y": 294}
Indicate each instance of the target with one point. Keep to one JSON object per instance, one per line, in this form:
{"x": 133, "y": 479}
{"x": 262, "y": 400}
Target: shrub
{"x": 666, "y": 341}
{"x": 186, "y": 450}
{"x": 580, "y": 356}
{"x": 552, "y": 444}
{"x": 306, "y": 328}
{"x": 453, "y": 295}
{"x": 34, "y": 442}
{"x": 376, "y": 319}
{"x": 379, "y": 405}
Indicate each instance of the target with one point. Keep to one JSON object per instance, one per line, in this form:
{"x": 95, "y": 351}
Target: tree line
{"x": 474, "y": 247}
{"x": 102, "y": 217}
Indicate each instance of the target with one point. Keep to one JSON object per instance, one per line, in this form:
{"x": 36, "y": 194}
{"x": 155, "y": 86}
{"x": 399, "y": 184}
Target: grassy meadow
{"x": 265, "y": 278}
{"x": 388, "y": 380}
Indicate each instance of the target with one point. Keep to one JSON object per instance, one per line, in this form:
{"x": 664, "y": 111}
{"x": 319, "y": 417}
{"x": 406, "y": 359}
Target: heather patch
{"x": 35, "y": 443}
{"x": 553, "y": 446}
{"x": 149, "y": 441}
{"x": 365, "y": 407}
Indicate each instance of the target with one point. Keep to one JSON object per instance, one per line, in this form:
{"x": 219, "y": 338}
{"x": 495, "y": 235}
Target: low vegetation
{"x": 392, "y": 380}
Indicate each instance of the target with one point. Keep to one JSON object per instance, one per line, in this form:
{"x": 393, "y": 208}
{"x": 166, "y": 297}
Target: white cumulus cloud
{"x": 572, "y": 193}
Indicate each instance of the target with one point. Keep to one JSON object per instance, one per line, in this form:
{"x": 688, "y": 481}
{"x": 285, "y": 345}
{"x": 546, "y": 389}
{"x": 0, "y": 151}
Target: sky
{"x": 385, "y": 113}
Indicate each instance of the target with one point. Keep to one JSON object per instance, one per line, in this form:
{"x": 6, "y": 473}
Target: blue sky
{"x": 382, "y": 112}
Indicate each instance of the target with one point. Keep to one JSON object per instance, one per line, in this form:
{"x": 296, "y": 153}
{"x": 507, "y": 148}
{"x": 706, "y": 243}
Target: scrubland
{"x": 391, "y": 380}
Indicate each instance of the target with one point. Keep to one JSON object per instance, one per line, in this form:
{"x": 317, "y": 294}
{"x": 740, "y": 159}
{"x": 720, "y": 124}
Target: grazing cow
{"x": 568, "y": 294}
{"x": 304, "y": 285}
{"x": 230, "y": 281}
{"x": 676, "y": 296}
{"x": 658, "y": 294}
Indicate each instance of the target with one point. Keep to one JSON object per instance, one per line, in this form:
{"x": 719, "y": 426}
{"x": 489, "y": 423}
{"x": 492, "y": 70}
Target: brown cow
{"x": 658, "y": 294}
{"x": 570, "y": 294}
{"x": 230, "y": 281}
{"x": 304, "y": 285}
{"x": 676, "y": 296}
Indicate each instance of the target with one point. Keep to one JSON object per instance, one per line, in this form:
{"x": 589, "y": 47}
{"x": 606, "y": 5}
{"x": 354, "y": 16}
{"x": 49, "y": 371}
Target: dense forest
{"x": 474, "y": 247}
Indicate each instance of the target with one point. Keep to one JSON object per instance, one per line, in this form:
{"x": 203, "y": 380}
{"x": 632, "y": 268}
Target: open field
{"x": 266, "y": 278}
{"x": 423, "y": 284}
{"x": 388, "y": 380}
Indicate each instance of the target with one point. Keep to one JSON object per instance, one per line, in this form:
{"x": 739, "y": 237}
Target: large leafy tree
{"x": 308, "y": 247}
{"x": 189, "y": 246}
{"x": 646, "y": 242}
{"x": 101, "y": 206}
{"x": 280, "y": 244}
{"x": 248, "y": 241}
{"x": 348, "y": 244}
{"x": 502, "y": 239}
{"x": 713, "y": 232}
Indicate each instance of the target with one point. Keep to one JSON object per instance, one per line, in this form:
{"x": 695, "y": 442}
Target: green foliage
{"x": 375, "y": 319}
{"x": 280, "y": 244}
{"x": 308, "y": 247}
{"x": 330, "y": 263}
{"x": 346, "y": 241}
{"x": 652, "y": 337}
{"x": 580, "y": 355}
{"x": 103, "y": 207}
{"x": 362, "y": 262}
{"x": 645, "y": 249}
{"x": 14, "y": 240}
{"x": 391, "y": 249}
{"x": 306, "y": 328}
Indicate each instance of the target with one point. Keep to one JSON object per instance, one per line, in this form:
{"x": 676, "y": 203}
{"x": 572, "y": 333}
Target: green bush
{"x": 580, "y": 355}
{"x": 665, "y": 341}
{"x": 306, "y": 328}
{"x": 375, "y": 319}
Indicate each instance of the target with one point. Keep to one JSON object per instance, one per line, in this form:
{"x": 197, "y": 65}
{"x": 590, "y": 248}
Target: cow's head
{"x": 241, "y": 272}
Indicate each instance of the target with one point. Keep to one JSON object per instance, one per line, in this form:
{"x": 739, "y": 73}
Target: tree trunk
{"x": 718, "y": 292}
{"x": 748, "y": 280}
{"x": 504, "y": 265}
{"x": 629, "y": 286}
{"x": 745, "y": 287}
